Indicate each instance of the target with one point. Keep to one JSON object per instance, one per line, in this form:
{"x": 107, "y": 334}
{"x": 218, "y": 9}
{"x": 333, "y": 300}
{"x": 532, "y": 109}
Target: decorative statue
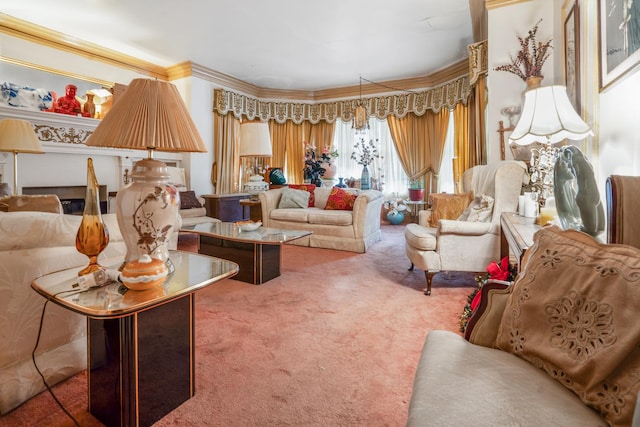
{"x": 576, "y": 192}
{"x": 68, "y": 104}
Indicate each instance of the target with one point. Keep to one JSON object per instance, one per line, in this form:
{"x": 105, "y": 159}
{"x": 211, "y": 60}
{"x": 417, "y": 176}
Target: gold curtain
{"x": 464, "y": 152}
{"x": 289, "y": 138}
{"x": 225, "y": 172}
{"x": 419, "y": 141}
{"x": 437, "y": 124}
{"x": 477, "y": 120}
{"x": 409, "y": 136}
{"x": 322, "y": 135}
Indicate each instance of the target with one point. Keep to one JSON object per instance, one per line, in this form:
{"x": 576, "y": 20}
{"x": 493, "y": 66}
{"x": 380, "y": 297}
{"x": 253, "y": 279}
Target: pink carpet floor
{"x": 334, "y": 341}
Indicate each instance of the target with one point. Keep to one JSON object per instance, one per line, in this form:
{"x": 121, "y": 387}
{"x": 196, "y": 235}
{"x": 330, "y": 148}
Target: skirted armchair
{"x": 471, "y": 241}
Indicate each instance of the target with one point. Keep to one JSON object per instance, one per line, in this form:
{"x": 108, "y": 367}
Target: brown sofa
{"x": 348, "y": 230}
{"x": 559, "y": 347}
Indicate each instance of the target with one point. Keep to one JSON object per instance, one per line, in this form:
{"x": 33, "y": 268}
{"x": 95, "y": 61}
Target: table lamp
{"x": 17, "y": 136}
{"x": 255, "y": 142}
{"x": 150, "y": 115}
{"x": 547, "y": 117}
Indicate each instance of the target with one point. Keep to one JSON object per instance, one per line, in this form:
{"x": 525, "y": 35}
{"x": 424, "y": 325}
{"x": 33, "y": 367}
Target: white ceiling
{"x": 278, "y": 44}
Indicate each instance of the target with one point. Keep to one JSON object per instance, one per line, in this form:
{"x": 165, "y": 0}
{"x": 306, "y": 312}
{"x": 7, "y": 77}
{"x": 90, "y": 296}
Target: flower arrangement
{"x": 530, "y": 58}
{"x": 313, "y": 169}
{"x": 395, "y": 206}
{"x": 328, "y": 154}
{"x": 365, "y": 152}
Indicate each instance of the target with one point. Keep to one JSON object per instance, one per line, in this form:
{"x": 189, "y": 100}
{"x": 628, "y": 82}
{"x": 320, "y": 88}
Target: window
{"x": 388, "y": 166}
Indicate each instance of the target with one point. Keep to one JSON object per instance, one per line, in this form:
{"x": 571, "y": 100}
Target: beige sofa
{"x": 33, "y": 244}
{"x": 345, "y": 230}
{"x": 559, "y": 347}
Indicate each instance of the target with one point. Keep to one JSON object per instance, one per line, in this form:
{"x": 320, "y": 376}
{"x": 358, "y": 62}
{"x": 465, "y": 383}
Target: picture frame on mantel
{"x": 572, "y": 55}
{"x": 619, "y": 39}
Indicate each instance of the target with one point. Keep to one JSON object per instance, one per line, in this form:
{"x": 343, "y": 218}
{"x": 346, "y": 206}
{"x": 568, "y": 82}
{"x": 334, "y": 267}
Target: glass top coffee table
{"x": 256, "y": 252}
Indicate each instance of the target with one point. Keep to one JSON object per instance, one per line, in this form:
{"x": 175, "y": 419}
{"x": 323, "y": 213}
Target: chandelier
{"x": 360, "y": 114}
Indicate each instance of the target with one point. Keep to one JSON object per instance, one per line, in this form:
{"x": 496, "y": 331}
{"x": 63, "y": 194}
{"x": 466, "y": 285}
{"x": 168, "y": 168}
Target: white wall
{"x": 505, "y": 89}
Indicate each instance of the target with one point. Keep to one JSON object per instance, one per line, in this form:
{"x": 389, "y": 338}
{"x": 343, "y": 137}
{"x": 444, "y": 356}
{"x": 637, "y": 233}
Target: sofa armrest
{"x": 424, "y": 217}
{"x": 366, "y": 212}
{"x": 482, "y": 327}
{"x": 269, "y": 201}
{"x": 450, "y": 226}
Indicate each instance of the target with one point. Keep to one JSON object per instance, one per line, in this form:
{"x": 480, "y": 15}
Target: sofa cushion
{"x": 330, "y": 217}
{"x": 340, "y": 199}
{"x": 291, "y": 214}
{"x": 570, "y": 314}
{"x": 292, "y": 198}
{"x": 458, "y": 383}
{"x": 448, "y": 206}
{"x": 189, "y": 200}
{"x": 36, "y": 203}
{"x": 307, "y": 187}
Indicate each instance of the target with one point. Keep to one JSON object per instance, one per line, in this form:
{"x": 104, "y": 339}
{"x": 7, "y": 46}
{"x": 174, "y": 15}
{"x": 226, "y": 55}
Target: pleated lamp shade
{"x": 17, "y": 136}
{"x": 548, "y": 117}
{"x": 150, "y": 115}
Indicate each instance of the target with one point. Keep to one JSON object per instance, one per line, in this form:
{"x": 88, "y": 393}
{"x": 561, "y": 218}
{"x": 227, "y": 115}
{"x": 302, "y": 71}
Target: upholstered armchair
{"x": 471, "y": 241}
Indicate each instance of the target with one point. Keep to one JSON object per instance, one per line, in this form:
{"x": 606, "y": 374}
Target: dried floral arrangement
{"x": 531, "y": 56}
{"x": 365, "y": 152}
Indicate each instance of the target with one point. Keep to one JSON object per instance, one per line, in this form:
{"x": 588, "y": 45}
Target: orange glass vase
{"x": 93, "y": 236}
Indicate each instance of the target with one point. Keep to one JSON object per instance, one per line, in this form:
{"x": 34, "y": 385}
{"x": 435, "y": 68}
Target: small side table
{"x": 255, "y": 208}
{"x": 414, "y": 208}
{"x": 516, "y": 236}
{"x": 140, "y": 344}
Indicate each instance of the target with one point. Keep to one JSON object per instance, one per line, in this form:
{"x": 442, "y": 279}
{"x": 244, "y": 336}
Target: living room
{"x": 607, "y": 107}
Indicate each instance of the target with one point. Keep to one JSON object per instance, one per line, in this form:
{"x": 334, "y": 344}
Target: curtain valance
{"x": 447, "y": 95}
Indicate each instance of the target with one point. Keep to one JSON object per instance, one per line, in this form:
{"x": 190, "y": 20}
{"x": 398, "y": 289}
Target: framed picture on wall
{"x": 619, "y": 39}
{"x": 572, "y": 55}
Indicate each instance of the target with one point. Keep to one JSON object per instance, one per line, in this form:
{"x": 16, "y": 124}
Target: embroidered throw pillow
{"x": 573, "y": 312}
{"x": 340, "y": 200}
{"x": 188, "y": 200}
{"x": 292, "y": 198}
{"x": 480, "y": 210}
{"x": 308, "y": 187}
{"x": 448, "y": 206}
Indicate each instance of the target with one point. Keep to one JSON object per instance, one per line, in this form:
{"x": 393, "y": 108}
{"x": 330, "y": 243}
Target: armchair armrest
{"x": 449, "y": 226}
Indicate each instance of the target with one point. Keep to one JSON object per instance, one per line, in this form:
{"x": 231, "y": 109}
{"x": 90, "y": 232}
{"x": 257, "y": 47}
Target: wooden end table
{"x": 141, "y": 344}
{"x": 516, "y": 235}
{"x": 255, "y": 208}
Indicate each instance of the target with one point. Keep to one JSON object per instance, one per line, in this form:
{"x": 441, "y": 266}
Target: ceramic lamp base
{"x": 147, "y": 211}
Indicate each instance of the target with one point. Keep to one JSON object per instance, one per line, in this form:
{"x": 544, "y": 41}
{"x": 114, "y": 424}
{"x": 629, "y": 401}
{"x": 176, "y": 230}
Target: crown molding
{"x": 25, "y": 30}
{"x": 493, "y": 4}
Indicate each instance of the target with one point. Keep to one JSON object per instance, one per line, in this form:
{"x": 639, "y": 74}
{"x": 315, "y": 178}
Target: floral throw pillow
{"x": 308, "y": 187}
{"x": 340, "y": 200}
{"x": 573, "y": 312}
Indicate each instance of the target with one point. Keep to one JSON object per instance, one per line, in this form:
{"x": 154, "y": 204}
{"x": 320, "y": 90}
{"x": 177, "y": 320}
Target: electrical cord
{"x": 33, "y": 356}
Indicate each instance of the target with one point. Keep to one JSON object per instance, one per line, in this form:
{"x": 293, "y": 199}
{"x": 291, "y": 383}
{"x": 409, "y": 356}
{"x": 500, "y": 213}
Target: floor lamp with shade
{"x": 17, "y": 136}
{"x": 255, "y": 142}
{"x": 150, "y": 115}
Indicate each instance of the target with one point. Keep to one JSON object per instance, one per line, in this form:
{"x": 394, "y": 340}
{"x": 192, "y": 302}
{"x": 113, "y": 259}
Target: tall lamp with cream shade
{"x": 548, "y": 118}
{"x": 255, "y": 142}
{"x": 150, "y": 115}
{"x": 17, "y": 136}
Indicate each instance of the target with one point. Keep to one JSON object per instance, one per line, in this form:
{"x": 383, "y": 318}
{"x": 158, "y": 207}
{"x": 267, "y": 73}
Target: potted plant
{"x": 416, "y": 190}
{"x": 396, "y": 209}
